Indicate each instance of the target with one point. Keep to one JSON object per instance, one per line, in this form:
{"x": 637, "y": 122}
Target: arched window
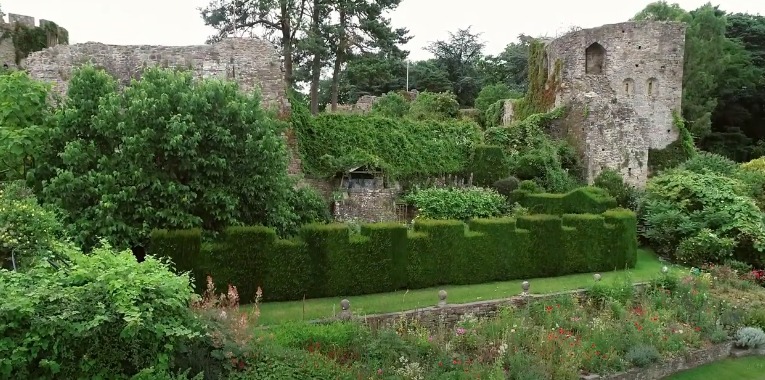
{"x": 595, "y": 59}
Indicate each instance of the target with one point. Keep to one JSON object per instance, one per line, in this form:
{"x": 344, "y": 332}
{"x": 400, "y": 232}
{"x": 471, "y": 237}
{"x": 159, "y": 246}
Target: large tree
{"x": 166, "y": 152}
{"x": 363, "y": 28}
{"x": 459, "y": 56}
{"x": 280, "y": 21}
{"x": 715, "y": 65}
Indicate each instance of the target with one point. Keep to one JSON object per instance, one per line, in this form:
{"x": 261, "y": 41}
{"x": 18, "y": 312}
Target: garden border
{"x": 449, "y": 314}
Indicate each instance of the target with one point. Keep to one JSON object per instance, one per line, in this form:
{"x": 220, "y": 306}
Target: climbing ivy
{"x": 28, "y": 39}
{"x": 540, "y": 97}
{"x": 402, "y": 147}
{"x": 675, "y": 153}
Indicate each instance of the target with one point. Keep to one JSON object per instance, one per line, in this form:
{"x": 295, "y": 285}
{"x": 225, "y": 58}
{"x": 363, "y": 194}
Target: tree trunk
{"x": 316, "y": 63}
{"x": 287, "y": 43}
{"x": 339, "y": 57}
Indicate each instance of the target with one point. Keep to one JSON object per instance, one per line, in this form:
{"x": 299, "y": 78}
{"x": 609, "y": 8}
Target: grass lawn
{"x": 648, "y": 266}
{"x": 749, "y": 368}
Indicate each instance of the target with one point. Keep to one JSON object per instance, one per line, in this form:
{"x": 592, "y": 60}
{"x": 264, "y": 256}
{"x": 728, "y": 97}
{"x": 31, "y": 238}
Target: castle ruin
{"x": 10, "y": 54}
{"x": 622, "y": 83}
{"x": 251, "y": 62}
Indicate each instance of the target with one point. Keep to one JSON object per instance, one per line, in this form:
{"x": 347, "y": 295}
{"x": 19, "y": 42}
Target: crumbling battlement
{"x": 251, "y": 62}
{"x": 7, "y": 49}
{"x": 622, "y": 83}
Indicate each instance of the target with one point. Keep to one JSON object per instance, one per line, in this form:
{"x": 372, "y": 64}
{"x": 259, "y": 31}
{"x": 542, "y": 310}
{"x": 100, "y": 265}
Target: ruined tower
{"x": 11, "y": 55}
{"x": 622, "y": 84}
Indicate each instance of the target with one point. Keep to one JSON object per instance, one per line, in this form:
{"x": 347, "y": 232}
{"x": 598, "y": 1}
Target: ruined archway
{"x": 595, "y": 59}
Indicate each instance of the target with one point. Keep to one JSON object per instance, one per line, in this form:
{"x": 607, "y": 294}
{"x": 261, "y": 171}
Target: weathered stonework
{"x": 621, "y": 83}
{"x": 367, "y": 205}
{"x": 7, "y": 49}
{"x": 251, "y": 62}
{"x": 365, "y": 103}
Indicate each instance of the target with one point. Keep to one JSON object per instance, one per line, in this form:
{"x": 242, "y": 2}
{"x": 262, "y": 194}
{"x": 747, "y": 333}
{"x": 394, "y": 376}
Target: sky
{"x": 178, "y": 22}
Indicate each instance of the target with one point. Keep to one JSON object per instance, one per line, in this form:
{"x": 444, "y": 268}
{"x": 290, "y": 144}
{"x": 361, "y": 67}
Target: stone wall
{"x": 366, "y": 205}
{"x": 622, "y": 82}
{"x": 7, "y": 49}
{"x": 365, "y": 103}
{"x": 251, "y": 62}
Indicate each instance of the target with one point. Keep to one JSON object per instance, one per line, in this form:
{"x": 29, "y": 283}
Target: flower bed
{"x": 610, "y": 330}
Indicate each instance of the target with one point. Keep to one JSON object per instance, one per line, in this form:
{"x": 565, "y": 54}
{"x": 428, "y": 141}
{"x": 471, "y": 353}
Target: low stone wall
{"x": 444, "y": 314}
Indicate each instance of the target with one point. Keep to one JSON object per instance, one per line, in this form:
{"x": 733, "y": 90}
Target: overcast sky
{"x": 177, "y": 22}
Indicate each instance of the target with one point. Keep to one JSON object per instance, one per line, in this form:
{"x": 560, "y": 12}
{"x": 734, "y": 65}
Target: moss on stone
{"x": 540, "y": 97}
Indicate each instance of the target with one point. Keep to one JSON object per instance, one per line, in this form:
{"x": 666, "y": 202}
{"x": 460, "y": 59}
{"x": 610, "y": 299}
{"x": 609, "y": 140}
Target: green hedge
{"x": 584, "y": 200}
{"x": 328, "y": 261}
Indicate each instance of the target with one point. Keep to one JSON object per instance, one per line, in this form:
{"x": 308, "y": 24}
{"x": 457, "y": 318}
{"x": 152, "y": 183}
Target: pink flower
{"x": 460, "y": 331}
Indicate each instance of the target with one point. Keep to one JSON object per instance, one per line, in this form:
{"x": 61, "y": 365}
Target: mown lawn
{"x": 749, "y": 368}
{"x": 648, "y": 266}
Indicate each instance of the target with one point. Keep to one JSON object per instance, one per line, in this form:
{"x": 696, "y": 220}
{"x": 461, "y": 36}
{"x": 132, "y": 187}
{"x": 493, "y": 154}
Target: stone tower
{"x": 622, "y": 83}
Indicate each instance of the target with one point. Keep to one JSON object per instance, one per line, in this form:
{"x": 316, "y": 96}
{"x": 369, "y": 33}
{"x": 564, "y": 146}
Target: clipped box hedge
{"x": 328, "y": 261}
{"x": 584, "y": 200}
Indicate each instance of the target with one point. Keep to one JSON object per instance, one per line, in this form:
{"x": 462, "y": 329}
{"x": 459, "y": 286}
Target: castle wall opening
{"x": 595, "y": 59}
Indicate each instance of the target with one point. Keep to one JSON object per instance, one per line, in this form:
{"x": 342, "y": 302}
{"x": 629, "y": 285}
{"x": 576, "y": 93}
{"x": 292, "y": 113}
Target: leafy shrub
{"x": 758, "y": 164}
{"x": 488, "y": 165}
{"x": 28, "y": 231}
{"x": 391, "y": 104}
{"x": 457, "y": 203}
{"x": 530, "y": 187}
{"x": 613, "y": 182}
{"x": 491, "y": 94}
{"x": 103, "y": 316}
{"x": 308, "y": 207}
{"x": 121, "y": 163}
{"x": 705, "y": 162}
{"x": 749, "y": 337}
{"x": 25, "y": 111}
{"x": 752, "y": 175}
{"x": 678, "y": 204}
{"x": 434, "y": 106}
{"x": 704, "y": 247}
{"x": 642, "y": 355}
{"x": 506, "y": 186}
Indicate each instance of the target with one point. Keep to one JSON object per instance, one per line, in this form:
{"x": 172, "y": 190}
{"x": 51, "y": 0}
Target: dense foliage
{"x": 23, "y": 111}
{"x": 391, "y": 104}
{"x": 690, "y": 215}
{"x": 532, "y": 155}
{"x": 332, "y": 143}
{"x": 457, "y": 203}
{"x": 434, "y": 106}
{"x": 103, "y": 315}
{"x": 168, "y": 151}
{"x": 28, "y": 231}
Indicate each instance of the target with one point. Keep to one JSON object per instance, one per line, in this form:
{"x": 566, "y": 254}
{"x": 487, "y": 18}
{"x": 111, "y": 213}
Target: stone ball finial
{"x": 664, "y": 269}
{"x": 345, "y": 305}
{"x": 441, "y": 298}
{"x": 597, "y": 277}
{"x": 525, "y": 286}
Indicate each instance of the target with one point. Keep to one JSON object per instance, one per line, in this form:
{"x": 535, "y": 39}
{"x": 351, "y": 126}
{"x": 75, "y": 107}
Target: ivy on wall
{"x": 403, "y": 148}
{"x": 540, "y": 96}
{"x": 28, "y": 39}
{"x": 675, "y": 153}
